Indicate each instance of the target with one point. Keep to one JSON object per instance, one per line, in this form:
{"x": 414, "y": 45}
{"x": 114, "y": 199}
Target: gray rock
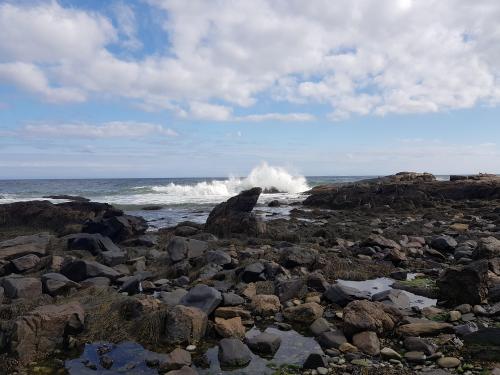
{"x": 417, "y": 344}
{"x": 331, "y": 339}
{"x": 22, "y": 287}
{"x": 393, "y": 296}
{"x": 185, "y": 324}
{"x": 488, "y": 247}
{"x": 367, "y": 342}
{"x": 95, "y": 243}
{"x": 180, "y": 248}
{"x": 79, "y": 270}
{"x": 253, "y": 272}
{"x": 342, "y": 295}
{"x": 25, "y": 263}
{"x": 444, "y": 243}
{"x": 290, "y": 289}
{"x": 264, "y": 343}
{"x": 218, "y": 257}
{"x": 298, "y": 257}
{"x": 233, "y": 353}
{"x": 415, "y": 357}
{"x": 57, "y": 284}
{"x": 34, "y": 244}
{"x": 232, "y": 299}
{"x": 319, "y": 326}
{"x": 174, "y": 297}
{"x": 203, "y": 297}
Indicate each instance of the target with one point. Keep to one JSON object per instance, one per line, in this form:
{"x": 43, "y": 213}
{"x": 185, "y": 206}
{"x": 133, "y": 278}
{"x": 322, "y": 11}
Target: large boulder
{"x": 22, "y": 287}
{"x": 235, "y": 216}
{"x": 118, "y": 228}
{"x": 488, "y": 247}
{"x": 36, "y": 244}
{"x": 25, "y": 263}
{"x": 180, "y": 248}
{"x": 44, "y": 329}
{"x": 362, "y": 316}
{"x": 233, "y": 353}
{"x": 45, "y": 215}
{"x": 95, "y": 243}
{"x": 185, "y": 324}
{"x": 460, "y": 285}
{"x": 203, "y": 297}
{"x": 57, "y": 284}
{"x": 78, "y": 270}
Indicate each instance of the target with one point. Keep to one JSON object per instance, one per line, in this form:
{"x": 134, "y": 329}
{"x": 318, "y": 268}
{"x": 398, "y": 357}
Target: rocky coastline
{"x": 396, "y": 275}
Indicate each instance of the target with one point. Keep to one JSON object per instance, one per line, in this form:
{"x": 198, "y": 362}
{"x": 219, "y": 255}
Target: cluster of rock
{"x": 192, "y": 284}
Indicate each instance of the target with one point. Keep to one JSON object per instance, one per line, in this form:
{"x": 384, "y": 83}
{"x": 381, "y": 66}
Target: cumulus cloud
{"x": 115, "y": 129}
{"x": 356, "y": 57}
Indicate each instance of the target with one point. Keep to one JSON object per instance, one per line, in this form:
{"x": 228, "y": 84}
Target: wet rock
{"x": 22, "y": 287}
{"x": 25, "y": 263}
{"x": 79, "y": 270}
{"x": 234, "y": 353}
{"x": 304, "y": 313}
{"x": 265, "y": 305}
{"x": 232, "y": 327}
{"x": 106, "y": 362}
{"x": 185, "y": 324}
{"x": 180, "y": 248}
{"x": 362, "y": 316}
{"x": 203, "y": 297}
{"x": 176, "y": 359}
{"x": 235, "y": 216}
{"x": 468, "y": 284}
{"x": 57, "y": 284}
{"x": 444, "y": 243}
{"x": 298, "y": 257}
{"x": 264, "y": 343}
{"x": 44, "y": 329}
{"x": 448, "y": 362}
{"x": 253, "y": 272}
{"x": 367, "y": 342}
{"x": 342, "y": 295}
{"x": 332, "y": 339}
{"x": 417, "y": 344}
{"x": 488, "y": 247}
{"x": 422, "y": 328}
{"x": 36, "y": 244}
{"x": 315, "y": 360}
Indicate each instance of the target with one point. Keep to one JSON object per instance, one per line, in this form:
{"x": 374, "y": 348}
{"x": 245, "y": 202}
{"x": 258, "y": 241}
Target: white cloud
{"x": 358, "y": 57}
{"x": 115, "y": 129}
{"x": 291, "y": 117}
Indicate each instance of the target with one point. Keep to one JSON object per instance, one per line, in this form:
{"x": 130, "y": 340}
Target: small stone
{"x": 348, "y": 348}
{"x": 448, "y": 362}
{"x": 415, "y": 357}
{"x": 454, "y": 316}
{"x": 389, "y": 353}
{"x": 367, "y": 342}
{"x": 322, "y": 371}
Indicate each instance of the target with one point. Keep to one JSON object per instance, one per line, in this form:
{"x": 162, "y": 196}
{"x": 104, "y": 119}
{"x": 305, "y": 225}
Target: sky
{"x": 179, "y": 88}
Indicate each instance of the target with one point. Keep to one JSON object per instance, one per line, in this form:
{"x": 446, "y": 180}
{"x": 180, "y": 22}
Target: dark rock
{"x": 176, "y": 359}
{"x": 315, "y": 360}
{"x": 57, "y": 284}
{"x": 79, "y": 270}
{"x": 484, "y": 344}
{"x": 235, "y": 216}
{"x": 298, "y": 257}
{"x": 152, "y": 207}
{"x": 253, "y": 272}
{"x": 290, "y": 289}
{"x": 274, "y": 203}
{"x": 488, "y": 247}
{"x": 233, "y": 353}
{"x": 232, "y": 299}
{"x": 95, "y": 243}
{"x": 362, "y": 316}
{"x": 22, "y": 287}
{"x": 73, "y": 198}
{"x": 180, "y": 248}
{"x": 444, "y": 243}
{"x": 185, "y": 231}
{"x": 317, "y": 282}
{"x": 264, "y": 343}
{"x": 118, "y": 228}
{"x": 394, "y": 297}
{"x": 218, "y": 257}
{"x": 331, "y": 339}
{"x": 203, "y": 297}
{"x": 342, "y": 295}
{"x": 106, "y": 362}
{"x": 417, "y": 344}
{"x": 25, "y": 263}
{"x": 468, "y": 284}
{"x": 185, "y": 324}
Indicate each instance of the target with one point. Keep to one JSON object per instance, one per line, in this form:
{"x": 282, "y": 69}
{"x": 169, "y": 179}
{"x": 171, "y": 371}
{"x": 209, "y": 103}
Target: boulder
{"x": 342, "y": 295}
{"x": 232, "y": 327}
{"x": 292, "y": 288}
{"x": 362, "y": 316}
{"x": 95, "y": 243}
{"x": 117, "y": 228}
{"x": 180, "y": 248}
{"x": 36, "y": 244}
{"x": 380, "y": 241}
{"x": 423, "y": 328}
{"x": 468, "y": 284}
{"x": 176, "y": 359}
{"x": 298, "y": 257}
{"x": 394, "y": 297}
{"x": 265, "y": 305}
{"x": 484, "y": 344}
{"x": 233, "y": 353}
{"x": 444, "y": 243}
{"x": 418, "y": 344}
{"x": 235, "y": 216}
{"x": 185, "y": 324}
{"x": 218, "y": 257}
{"x": 304, "y": 313}
{"x": 332, "y": 339}
{"x": 253, "y": 272}
{"x": 487, "y": 248}
{"x": 57, "y": 284}
{"x": 25, "y": 263}
{"x": 78, "y": 270}
{"x": 367, "y": 342}
{"x": 203, "y": 297}
{"x": 22, "y": 287}
{"x": 264, "y": 343}
{"x": 43, "y": 330}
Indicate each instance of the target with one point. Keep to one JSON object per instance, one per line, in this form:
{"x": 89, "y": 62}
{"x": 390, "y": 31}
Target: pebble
{"x": 448, "y": 362}
{"x": 322, "y": 371}
{"x": 191, "y": 348}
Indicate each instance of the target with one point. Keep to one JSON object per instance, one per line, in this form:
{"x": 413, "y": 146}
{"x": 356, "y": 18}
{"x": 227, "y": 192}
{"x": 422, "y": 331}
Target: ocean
{"x": 180, "y": 199}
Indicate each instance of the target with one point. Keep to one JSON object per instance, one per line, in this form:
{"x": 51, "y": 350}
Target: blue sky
{"x": 166, "y": 88}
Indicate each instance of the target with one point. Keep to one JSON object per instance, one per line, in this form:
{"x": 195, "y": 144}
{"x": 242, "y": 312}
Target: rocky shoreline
{"x": 393, "y": 275}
